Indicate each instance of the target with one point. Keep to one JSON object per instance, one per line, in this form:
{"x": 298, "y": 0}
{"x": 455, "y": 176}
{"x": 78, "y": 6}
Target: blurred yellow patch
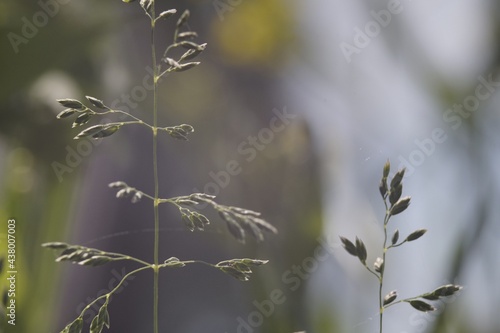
{"x": 3, "y": 14}
{"x": 21, "y": 173}
{"x": 252, "y": 32}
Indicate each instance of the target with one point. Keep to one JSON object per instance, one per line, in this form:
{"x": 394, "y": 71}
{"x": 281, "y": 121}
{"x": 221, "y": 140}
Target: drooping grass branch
{"x": 394, "y": 205}
{"x": 239, "y": 221}
{"x": 84, "y": 256}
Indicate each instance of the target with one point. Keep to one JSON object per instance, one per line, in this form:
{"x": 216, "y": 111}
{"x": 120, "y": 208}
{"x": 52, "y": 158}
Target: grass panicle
{"x": 395, "y": 204}
{"x": 240, "y": 222}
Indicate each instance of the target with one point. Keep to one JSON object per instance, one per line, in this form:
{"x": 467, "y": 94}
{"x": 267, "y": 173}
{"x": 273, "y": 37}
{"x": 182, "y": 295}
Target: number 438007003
{"x": 11, "y": 240}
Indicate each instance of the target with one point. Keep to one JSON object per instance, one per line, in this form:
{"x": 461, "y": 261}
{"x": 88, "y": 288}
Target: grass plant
{"x": 240, "y": 222}
{"x": 394, "y": 205}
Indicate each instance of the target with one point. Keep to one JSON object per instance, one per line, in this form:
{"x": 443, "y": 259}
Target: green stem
{"x": 156, "y": 270}
{"x": 401, "y": 301}
{"x": 124, "y": 113}
{"x": 125, "y": 257}
{"x": 406, "y": 300}
{"x": 187, "y": 262}
{"x": 114, "y": 289}
{"x": 118, "y": 256}
{"x": 381, "y": 278}
{"x": 396, "y": 245}
{"x": 123, "y": 123}
{"x": 110, "y": 111}
{"x": 371, "y": 271}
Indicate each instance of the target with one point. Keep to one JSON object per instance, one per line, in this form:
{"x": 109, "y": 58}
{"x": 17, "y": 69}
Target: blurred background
{"x": 351, "y": 84}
